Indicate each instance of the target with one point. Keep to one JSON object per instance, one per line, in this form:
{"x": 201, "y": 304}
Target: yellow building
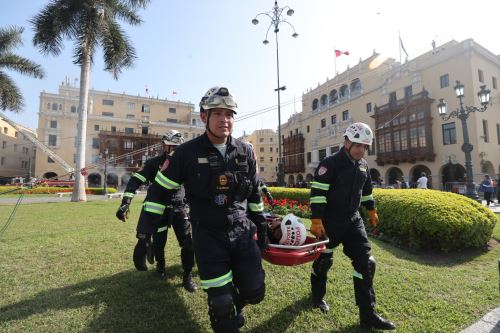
{"x": 17, "y": 154}
{"x": 265, "y": 144}
{"x": 399, "y": 101}
{"x": 122, "y": 131}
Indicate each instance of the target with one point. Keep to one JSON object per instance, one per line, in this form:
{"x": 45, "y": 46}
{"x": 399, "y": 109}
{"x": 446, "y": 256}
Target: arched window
{"x": 315, "y": 104}
{"x": 355, "y": 85}
{"x": 323, "y": 100}
{"x": 333, "y": 96}
{"x": 343, "y": 91}
{"x": 54, "y": 107}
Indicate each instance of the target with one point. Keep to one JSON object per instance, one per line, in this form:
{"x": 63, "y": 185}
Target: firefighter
{"x": 175, "y": 216}
{"x": 341, "y": 183}
{"x": 219, "y": 175}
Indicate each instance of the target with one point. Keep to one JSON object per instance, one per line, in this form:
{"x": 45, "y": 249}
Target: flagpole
{"x": 335, "y": 62}
{"x": 399, "y": 43}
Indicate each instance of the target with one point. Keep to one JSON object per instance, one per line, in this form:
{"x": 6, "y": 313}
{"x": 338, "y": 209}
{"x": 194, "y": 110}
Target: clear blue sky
{"x": 189, "y": 46}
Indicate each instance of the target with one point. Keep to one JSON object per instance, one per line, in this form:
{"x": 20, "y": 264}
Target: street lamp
{"x": 462, "y": 113}
{"x": 105, "y": 171}
{"x": 276, "y": 17}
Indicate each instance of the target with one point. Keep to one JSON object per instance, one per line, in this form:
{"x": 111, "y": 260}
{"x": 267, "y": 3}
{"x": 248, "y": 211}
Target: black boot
{"x": 240, "y": 318}
{"x": 140, "y": 256}
{"x": 188, "y": 283}
{"x": 370, "y": 318}
{"x": 160, "y": 270}
{"x": 322, "y": 305}
{"x": 150, "y": 255}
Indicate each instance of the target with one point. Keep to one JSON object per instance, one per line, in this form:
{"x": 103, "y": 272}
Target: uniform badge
{"x": 362, "y": 169}
{"x": 322, "y": 170}
{"x": 222, "y": 180}
{"x": 220, "y": 199}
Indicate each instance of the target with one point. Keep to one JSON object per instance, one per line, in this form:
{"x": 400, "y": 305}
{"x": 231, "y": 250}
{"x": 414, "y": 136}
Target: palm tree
{"x": 89, "y": 24}
{"x": 10, "y": 95}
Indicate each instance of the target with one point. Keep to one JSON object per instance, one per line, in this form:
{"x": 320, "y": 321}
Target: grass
{"x": 66, "y": 267}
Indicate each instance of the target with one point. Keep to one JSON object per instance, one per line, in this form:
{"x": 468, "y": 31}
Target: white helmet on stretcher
{"x": 359, "y": 133}
{"x": 293, "y": 231}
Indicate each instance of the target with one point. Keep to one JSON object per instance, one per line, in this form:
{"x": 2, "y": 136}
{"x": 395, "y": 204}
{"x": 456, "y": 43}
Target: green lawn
{"x": 66, "y": 267}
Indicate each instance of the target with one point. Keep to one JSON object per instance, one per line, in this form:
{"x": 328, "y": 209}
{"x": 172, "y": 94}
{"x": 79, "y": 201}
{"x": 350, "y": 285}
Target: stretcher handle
{"x": 299, "y": 247}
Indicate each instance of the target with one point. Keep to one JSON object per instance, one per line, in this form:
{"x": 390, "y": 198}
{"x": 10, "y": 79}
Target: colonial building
{"x": 17, "y": 154}
{"x": 265, "y": 143}
{"x": 122, "y": 131}
{"x": 399, "y": 101}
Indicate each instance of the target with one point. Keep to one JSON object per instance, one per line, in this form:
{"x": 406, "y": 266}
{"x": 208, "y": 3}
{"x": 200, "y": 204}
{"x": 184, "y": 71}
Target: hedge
{"x": 50, "y": 190}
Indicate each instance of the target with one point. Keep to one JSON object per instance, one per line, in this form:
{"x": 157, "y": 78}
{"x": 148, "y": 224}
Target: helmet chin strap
{"x": 209, "y": 113}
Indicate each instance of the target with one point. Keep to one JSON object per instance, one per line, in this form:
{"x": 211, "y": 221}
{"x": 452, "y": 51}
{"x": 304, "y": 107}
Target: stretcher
{"x": 288, "y": 255}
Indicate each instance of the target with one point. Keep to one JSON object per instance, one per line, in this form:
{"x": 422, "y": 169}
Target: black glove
{"x": 122, "y": 212}
{"x": 262, "y": 238}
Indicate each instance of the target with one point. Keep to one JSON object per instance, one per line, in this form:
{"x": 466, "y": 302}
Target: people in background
{"x": 422, "y": 181}
{"x": 487, "y": 188}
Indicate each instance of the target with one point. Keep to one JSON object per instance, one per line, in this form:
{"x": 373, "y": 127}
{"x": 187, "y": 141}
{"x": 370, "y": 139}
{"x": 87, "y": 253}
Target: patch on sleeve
{"x": 322, "y": 170}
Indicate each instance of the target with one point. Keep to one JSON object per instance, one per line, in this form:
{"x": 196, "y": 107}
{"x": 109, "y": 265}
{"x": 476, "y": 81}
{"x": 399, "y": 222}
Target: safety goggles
{"x": 216, "y": 101}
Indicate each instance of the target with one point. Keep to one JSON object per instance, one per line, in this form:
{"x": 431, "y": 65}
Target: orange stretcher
{"x": 288, "y": 255}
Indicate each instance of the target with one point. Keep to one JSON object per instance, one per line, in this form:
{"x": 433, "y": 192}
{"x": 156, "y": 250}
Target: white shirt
{"x": 422, "y": 182}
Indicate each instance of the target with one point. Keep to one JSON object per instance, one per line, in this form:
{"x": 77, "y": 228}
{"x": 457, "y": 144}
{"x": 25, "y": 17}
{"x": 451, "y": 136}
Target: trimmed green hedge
{"x": 428, "y": 219}
{"x": 51, "y": 190}
{"x": 299, "y": 194}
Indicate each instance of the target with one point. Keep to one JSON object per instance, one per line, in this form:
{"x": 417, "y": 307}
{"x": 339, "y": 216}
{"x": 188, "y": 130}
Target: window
{"x": 108, "y": 102}
{"x": 420, "y": 115}
{"x": 5, "y": 130}
{"x": 480, "y": 75}
{"x": 261, "y": 159}
{"x": 2, "y": 160}
{"x": 145, "y": 131}
{"x": 333, "y": 97}
{"x": 315, "y": 104}
{"x": 371, "y": 149}
{"x": 145, "y": 108}
{"x": 270, "y": 159}
{"x": 408, "y": 92}
{"x": 172, "y": 110}
{"x": 130, "y": 105}
{"x": 345, "y": 115}
{"x": 129, "y": 130}
{"x": 413, "y": 137}
{"x": 261, "y": 139}
{"x": 494, "y": 82}
{"x": 261, "y": 149}
{"x": 388, "y": 142}
{"x": 193, "y": 122}
{"x": 393, "y": 98}
{"x": 53, "y": 124}
{"x": 270, "y": 139}
{"x": 444, "y": 80}
{"x": 15, "y": 146}
{"x": 16, "y": 134}
{"x": 96, "y": 127}
{"x": 54, "y": 107}
{"x": 172, "y": 120}
{"x": 308, "y": 157}
{"x": 404, "y": 141}
{"x": 60, "y": 107}
{"x": 4, "y": 144}
{"x": 381, "y": 144}
{"x": 308, "y": 129}
{"x": 296, "y": 131}
{"x": 323, "y": 122}
{"x": 333, "y": 119}
{"x": 48, "y": 106}
{"x": 49, "y": 160}
{"x": 368, "y": 107}
{"x": 323, "y": 100}
{"x": 397, "y": 143}
{"x": 128, "y": 145}
{"x": 449, "y": 134}
{"x": 422, "y": 140}
{"x": 95, "y": 143}
{"x": 270, "y": 149}
{"x": 73, "y": 109}
{"x": 343, "y": 91}
{"x": 498, "y": 134}
{"x": 322, "y": 154}
{"x": 485, "y": 131}
{"x": 130, "y": 116}
{"x": 334, "y": 149}
{"x": 113, "y": 128}
{"x": 261, "y": 169}
{"x": 52, "y": 140}
{"x": 107, "y": 114}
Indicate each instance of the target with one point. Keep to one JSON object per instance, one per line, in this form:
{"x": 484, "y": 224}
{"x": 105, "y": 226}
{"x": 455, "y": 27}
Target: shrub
{"x": 428, "y": 219}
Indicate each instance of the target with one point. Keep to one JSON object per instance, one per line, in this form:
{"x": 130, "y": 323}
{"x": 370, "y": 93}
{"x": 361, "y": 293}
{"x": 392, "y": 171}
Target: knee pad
{"x": 254, "y": 296}
{"x": 322, "y": 265}
{"x": 222, "y": 306}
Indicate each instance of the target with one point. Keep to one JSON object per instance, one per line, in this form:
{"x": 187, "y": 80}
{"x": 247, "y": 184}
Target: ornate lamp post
{"x": 105, "y": 190}
{"x": 276, "y": 17}
{"x": 462, "y": 113}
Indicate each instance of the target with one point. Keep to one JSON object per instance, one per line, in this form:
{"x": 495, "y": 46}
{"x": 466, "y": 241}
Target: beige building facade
{"x": 265, "y": 144}
{"x": 119, "y": 125}
{"x": 17, "y": 154}
{"x": 399, "y": 101}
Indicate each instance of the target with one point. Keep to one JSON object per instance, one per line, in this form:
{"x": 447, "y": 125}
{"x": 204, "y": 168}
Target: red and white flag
{"x": 338, "y": 53}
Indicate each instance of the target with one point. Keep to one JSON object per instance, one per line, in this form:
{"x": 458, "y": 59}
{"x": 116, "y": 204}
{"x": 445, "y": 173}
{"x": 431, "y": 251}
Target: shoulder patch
{"x": 322, "y": 170}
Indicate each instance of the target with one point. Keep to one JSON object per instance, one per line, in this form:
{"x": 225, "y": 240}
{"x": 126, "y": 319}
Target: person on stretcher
{"x": 287, "y": 231}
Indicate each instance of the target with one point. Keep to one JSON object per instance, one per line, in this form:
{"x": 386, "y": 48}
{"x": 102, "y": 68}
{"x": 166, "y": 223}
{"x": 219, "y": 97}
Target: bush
{"x": 428, "y": 219}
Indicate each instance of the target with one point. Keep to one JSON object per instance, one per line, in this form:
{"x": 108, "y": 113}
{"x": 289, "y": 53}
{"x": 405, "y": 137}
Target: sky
{"x": 190, "y": 46}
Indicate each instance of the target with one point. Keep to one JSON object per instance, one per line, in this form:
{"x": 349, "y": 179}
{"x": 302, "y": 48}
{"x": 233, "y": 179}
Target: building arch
{"x": 451, "y": 173}
{"x": 94, "y": 180}
{"x": 343, "y": 91}
{"x": 291, "y": 180}
{"x": 355, "y": 86}
{"x": 315, "y": 104}
{"x": 323, "y": 100}
{"x": 300, "y": 178}
{"x": 488, "y": 168}
{"x": 416, "y": 173}
{"x": 393, "y": 175}
{"x": 112, "y": 179}
{"x": 50, "y": 175}
{"x": 125, "y": 178}
{"x": 375, "y": 175}
{"x": 333, "y": 97}
{"x": 309, "y": 178}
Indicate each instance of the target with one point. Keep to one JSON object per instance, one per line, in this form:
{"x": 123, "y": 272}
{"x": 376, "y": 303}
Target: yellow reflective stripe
{"x": 320, "y": 186}
{"x": 357, "y": 275}
{"x": 140, "y": 177}
{"x": 165, "y": 182}
{"x": 366, "y": 197}
{"x": 317, "y": 200}
{"x": 217, "y": 282}
{"x": 162, "y": 229}
{"x": 128, "y": 195}
{"x": 153, "y": 207}
{"x": 256, "y": 208}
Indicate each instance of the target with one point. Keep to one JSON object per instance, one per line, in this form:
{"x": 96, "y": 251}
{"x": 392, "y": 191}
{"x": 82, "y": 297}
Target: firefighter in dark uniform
{"x": 219, "y": 175}
{"x": 341, "y": 183}
{"x": 175, "y": 216}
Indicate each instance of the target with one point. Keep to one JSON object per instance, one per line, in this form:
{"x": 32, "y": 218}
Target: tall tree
{"x": 89, "y": 24}
{"x": 10, "y": 95}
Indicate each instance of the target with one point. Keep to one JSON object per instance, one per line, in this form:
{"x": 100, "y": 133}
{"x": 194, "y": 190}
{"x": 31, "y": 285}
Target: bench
{"x": 62, "y": 194}
{"x": 115, "y": 195}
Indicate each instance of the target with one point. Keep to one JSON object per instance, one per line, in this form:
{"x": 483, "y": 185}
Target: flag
{"x": 338, "y": 53}
{"x": 174, "y": 92}
{"x": 402, "y": 46}
{"x": 146, "y": 89}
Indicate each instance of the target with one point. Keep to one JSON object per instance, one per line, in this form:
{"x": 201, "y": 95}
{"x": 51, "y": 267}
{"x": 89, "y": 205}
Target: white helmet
{"x": 293, "y": 231}
{"x": 173, "y": 138}
{"x": 359, "y": 133}
{"x": 218, "y": 97}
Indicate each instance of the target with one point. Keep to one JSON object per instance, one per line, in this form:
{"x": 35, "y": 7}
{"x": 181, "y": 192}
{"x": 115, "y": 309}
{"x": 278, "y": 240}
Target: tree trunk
{"x": 79, "y": 188}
